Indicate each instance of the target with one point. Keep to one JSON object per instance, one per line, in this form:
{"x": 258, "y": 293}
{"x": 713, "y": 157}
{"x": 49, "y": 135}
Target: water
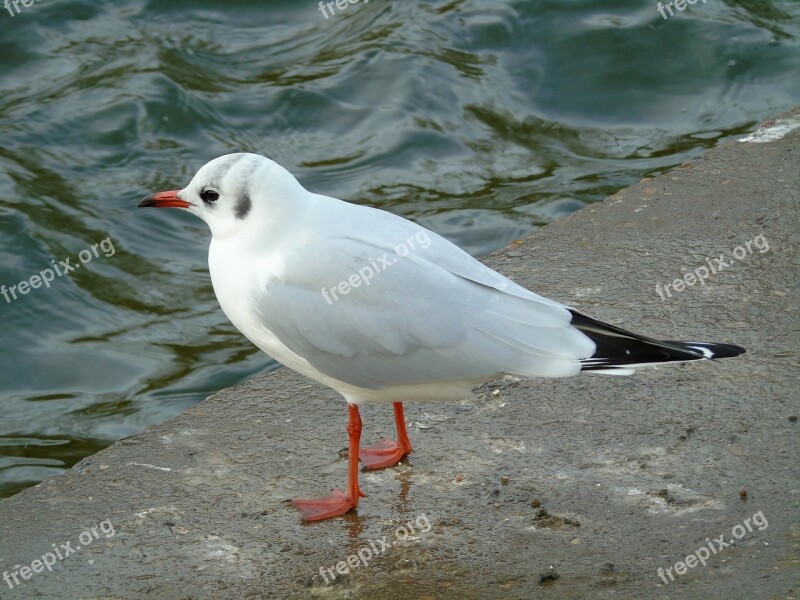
{"x": 482, "y": 120}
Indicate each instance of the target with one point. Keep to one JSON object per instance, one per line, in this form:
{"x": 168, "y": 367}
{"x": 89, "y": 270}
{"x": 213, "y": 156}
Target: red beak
{"x": 164, "y": 200}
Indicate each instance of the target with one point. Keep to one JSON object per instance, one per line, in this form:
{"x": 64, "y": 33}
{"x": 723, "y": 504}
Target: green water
{"x": 482, "y": 120}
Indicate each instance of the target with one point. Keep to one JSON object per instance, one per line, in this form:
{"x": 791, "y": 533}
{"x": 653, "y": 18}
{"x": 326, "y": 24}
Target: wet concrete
{"x": 547, "y": 488}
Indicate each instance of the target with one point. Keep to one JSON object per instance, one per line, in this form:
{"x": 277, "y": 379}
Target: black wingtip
{"x": 714, "y": 350}
{"x": 617, "y": 348}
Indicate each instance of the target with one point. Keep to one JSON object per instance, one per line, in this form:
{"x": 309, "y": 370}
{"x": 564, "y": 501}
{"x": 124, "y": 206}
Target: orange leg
{"x": 337, "y": 502}
{"x": 386, "y": 452}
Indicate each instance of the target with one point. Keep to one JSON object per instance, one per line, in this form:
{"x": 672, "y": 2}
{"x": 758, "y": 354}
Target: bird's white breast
{"x": 238, "y": 279}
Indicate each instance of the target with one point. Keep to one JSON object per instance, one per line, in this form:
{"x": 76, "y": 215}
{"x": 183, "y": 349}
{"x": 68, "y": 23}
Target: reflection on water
{"x": 482, "y": 120}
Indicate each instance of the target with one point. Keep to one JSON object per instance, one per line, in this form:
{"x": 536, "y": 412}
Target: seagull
{"x": 383, "y": 310}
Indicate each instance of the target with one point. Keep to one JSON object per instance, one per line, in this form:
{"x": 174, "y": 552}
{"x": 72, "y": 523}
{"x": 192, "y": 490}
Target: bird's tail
{"x": 620, "y": 352}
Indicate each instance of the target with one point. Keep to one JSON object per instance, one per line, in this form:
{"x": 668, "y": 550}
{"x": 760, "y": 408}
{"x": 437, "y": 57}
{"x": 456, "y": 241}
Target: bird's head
{"x": 226, "y": 191}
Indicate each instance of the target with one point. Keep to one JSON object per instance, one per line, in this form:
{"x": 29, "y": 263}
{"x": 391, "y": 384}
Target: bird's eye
{"x": 209, "y": 196}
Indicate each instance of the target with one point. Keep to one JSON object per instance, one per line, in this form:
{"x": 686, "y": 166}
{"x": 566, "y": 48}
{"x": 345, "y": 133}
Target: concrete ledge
{"x": 546, "y": 488}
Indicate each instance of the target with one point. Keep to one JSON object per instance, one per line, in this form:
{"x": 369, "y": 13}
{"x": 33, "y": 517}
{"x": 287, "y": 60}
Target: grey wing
{"x": 415, "y": 321}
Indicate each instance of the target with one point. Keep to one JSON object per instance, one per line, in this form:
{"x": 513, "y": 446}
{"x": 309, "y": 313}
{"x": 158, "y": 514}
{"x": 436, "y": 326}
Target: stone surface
{"x": 608, "y": 478}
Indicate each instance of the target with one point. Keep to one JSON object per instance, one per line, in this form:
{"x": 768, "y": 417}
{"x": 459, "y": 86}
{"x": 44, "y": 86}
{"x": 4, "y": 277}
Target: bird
{"x": 383, "y": 310}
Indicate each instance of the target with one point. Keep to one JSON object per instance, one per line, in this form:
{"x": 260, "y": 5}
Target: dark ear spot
{"x": 243, "y": 206}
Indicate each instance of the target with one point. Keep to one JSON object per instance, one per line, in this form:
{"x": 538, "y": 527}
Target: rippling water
{"x": 482, "y": 120}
